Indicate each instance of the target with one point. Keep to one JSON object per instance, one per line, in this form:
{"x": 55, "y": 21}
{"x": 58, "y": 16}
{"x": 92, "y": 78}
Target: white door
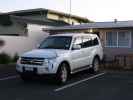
{"x": 76, "y": 54}
{"x": 87, "y": 49}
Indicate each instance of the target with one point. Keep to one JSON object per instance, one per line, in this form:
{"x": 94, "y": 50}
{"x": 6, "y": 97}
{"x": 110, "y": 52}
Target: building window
{"x": 111, "y": 39}
{"x": 124, "y": 39}
{"x": 118, "y": 39}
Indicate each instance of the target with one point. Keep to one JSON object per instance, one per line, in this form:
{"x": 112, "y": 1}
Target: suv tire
{"x": 95, "y": 65}
{"x": 62, "y": 74}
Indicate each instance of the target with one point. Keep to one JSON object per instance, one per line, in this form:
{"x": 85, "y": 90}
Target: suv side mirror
{"x": 76, "y": 47}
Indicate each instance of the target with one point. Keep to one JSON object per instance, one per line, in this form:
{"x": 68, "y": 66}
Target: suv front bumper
{"x": 38, "y": 70}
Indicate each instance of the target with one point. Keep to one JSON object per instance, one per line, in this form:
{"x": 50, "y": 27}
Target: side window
{"x": 95, "y": 41}
{"x": 78, "y": 41}
{"x": 86, "y": 42}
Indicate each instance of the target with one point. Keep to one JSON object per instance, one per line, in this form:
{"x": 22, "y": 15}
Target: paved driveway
{"x": 82, "y": 86}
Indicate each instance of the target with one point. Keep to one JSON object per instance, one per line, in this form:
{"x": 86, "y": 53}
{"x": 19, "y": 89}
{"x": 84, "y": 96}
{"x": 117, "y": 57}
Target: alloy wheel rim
{"x": 96, "y": 65}
{"x": 63, "y": 74}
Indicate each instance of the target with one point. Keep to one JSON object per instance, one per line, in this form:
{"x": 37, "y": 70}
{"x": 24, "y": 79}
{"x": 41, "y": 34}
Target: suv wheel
{"x": 62, "y": 73}
{"x": 95, "y": 65}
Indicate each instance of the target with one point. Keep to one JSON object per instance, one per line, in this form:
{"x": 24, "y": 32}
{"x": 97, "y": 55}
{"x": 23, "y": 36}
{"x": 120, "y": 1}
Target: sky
{"x": 96, "y": 10}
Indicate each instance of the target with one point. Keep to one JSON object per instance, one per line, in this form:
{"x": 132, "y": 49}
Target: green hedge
{"x": 6, "y": 59}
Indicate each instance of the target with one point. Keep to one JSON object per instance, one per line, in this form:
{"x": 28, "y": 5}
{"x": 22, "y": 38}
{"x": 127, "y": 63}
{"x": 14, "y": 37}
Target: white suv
{"x": 61, "y": 55}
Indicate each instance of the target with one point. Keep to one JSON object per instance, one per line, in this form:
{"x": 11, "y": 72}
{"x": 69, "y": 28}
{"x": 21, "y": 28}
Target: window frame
{"x": 117, "y": 43}
{"x": 92, "y": 40}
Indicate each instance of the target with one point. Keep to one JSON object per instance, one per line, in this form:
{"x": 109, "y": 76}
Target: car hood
{"x": 44, "y": 53}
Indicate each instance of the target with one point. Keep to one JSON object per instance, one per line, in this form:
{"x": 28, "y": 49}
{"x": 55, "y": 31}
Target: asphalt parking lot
{"x": 82, "y": 86}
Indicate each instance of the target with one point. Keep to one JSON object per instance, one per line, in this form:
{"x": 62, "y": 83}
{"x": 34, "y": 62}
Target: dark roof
{"x": 37, "y": 21}
{"x": 95, "y": 25}
{"x": 22, "y": 14}
{"x": 28, "y": 12}
{"x": 43, "y": 10}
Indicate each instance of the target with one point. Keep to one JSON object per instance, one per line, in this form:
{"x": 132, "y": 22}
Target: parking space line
{"x": 78, "y": 82}
{"x": 9, "y": 77}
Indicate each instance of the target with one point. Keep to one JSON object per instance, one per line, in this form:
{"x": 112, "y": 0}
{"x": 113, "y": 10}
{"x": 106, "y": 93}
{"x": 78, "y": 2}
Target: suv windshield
{"x": 56, "y": 42}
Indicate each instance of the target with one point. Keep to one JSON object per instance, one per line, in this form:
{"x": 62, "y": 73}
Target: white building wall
{"x": 21, "y": 44}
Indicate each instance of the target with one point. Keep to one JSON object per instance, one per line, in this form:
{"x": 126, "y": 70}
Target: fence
{"x": 122, "y": 61}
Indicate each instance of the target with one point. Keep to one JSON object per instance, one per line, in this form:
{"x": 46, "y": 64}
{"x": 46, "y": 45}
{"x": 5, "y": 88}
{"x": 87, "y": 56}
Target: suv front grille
{"x": 32, "y": 61}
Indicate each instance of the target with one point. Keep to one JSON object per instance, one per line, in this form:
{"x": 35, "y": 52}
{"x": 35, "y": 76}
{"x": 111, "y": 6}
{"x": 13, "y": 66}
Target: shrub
{"x": 5, "y": 58}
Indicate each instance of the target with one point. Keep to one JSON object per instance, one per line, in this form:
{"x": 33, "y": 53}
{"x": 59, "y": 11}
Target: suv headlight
{"x": 49, "y": 61}
{"x": 46, "y": 62}
{"x": 19, "y": 60}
